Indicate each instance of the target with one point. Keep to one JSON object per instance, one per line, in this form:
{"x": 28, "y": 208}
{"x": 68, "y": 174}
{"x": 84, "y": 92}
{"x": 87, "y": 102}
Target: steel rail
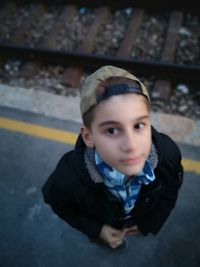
{"x": 159, "y": 5}
{"x": 188, "y": 73}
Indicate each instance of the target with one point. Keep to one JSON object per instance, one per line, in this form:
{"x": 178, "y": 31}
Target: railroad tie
{"x": 7, "y": 9}
{"x": 28, "y": 70}
{"x": 128, "y": 41}
{"x": 72, "y": 75}
{"x": 89, "y": 41}
{"x": 19, "y": 35}
{"x": 66, "y": 16}
{"x": 162, "y": 88}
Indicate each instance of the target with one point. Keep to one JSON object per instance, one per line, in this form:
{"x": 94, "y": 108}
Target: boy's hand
{"x": 112, "y": 236}
{"x": 132, "y": 230}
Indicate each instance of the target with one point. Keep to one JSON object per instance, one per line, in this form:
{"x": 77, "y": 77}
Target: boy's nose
{"x": 129, "y": 142}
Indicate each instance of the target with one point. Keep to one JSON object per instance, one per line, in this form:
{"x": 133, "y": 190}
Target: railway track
{"x": 163, "y": 44}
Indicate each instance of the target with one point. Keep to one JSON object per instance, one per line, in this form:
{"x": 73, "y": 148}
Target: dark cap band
{"x": 118, "y": 89}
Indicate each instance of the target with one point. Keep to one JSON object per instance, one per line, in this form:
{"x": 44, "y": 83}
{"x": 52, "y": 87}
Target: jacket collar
{"x": 78, "y": 160}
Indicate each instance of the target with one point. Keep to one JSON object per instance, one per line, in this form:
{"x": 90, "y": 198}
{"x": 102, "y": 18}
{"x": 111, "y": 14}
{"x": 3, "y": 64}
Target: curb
{"x": 180, "y": 129}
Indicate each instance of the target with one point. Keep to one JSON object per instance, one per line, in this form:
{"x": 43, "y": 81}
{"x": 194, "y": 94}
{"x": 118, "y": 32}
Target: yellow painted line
{"x": 191, "y": 165}
{"x": 39, "y": 131}
{"x": 67, "y": 137}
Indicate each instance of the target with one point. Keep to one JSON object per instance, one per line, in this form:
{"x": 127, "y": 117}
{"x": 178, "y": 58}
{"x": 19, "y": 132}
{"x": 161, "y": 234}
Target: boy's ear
{"x": 87, "y": 137}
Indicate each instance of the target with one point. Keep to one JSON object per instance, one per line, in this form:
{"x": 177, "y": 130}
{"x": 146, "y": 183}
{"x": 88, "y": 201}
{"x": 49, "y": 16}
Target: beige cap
{"x": 88, "y": 92}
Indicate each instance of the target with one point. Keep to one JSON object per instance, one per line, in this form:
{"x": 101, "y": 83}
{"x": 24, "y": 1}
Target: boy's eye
{"x": 112, "y": 131}
{"x": 139, "y": 126}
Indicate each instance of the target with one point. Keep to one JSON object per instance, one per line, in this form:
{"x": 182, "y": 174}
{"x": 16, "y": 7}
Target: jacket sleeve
{"x": 170, "y": 171}
{"x": 63, "y": 200}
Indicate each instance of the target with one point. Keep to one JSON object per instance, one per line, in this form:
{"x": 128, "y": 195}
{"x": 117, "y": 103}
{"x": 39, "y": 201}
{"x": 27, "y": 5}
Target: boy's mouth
{"x": 131, "y": 161}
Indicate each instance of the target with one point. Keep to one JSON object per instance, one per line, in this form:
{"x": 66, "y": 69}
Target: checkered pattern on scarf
{"x": 115, "y": 181}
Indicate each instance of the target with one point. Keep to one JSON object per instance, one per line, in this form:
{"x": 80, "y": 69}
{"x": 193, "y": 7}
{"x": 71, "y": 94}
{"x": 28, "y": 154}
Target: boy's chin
{"x": 132, "y": 171}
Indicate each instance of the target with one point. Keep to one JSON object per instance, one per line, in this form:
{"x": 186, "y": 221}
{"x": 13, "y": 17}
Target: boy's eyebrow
{"x": 104, "y": 123}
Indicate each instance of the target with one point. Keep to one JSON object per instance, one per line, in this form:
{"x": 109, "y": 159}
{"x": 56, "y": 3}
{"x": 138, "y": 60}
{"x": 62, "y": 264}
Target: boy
{"x": 123, "y": 176}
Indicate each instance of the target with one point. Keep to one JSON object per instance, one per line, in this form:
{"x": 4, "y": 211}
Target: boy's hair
{"x": 104, "y": 83}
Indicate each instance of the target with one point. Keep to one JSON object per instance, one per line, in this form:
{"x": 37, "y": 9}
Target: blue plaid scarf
{"x": 115, "y": 181}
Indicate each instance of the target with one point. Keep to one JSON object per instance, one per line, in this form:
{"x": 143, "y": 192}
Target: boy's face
{"x": 121, "y": 132}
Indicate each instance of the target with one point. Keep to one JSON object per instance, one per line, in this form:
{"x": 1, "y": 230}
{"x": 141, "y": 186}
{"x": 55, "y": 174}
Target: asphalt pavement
{"x": 31, "y": 235}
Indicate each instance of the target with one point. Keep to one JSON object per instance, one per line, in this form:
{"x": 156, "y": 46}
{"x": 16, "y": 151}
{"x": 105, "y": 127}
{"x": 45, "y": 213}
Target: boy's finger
{"x": 116, "y": 232}
{"x": 116, "y": 243}
{"x": 132, "y": 228}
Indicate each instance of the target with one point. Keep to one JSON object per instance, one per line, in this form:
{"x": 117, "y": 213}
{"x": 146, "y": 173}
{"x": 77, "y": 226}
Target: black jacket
{"x": 87, "y": 205}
